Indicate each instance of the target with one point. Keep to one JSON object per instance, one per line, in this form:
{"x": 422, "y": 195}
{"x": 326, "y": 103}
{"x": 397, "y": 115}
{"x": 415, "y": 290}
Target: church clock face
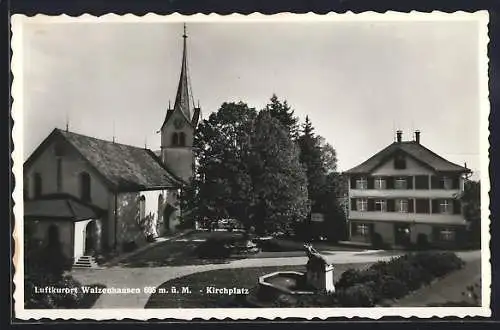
{"x": 178, "y": 123}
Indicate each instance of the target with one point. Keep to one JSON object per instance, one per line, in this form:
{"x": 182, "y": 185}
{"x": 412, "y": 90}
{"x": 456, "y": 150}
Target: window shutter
{"x": 410, "y": 205}
{"x": 457, "y": 209}
{"x": 391, "y": 205}
{"x": 353, "y": 182}
{"x": 370, "y": 182}
{"x": 390, "y": 183}
{"x": 435, "y": 206}
{"x": 371, "y": 204}
{"x": 353, "y": 204}
{"x": 455, "y": 182}
{"x": 409, "y": 182}
{"x": 434, "y": 182}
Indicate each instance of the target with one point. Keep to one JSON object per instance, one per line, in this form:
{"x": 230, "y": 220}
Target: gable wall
{"x": 413, "y": 167}
{"x": 71, "y": 166}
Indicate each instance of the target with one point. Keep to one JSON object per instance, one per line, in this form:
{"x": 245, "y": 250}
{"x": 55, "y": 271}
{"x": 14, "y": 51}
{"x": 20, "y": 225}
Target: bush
{"x": 422, "y": 242}
{"x": 129, "y": 246}
{"x": 397, "y": 277}
{"x": 358, "y": 295}
{"x": 392, "y": 287}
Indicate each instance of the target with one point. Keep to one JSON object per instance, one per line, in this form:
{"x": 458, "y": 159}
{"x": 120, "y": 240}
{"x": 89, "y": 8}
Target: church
{"x": 93, "y": 196}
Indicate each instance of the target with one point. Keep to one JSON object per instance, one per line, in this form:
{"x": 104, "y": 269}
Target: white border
{"x": 17, "y": 22}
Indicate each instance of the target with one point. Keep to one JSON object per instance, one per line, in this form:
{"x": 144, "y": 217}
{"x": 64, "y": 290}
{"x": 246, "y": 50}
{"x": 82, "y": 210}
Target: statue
{"x": 319, "y": 272}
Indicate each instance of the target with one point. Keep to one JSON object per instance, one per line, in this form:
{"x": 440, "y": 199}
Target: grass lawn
{"x": 224, "y": 278}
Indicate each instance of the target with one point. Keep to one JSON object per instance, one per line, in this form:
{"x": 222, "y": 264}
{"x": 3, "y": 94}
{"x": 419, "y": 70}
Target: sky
{"x": 357, "y": 81}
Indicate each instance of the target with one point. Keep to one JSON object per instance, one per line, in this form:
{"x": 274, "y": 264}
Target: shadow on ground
{"x": 171, "y": 253}
{"x": 202, "y": 295}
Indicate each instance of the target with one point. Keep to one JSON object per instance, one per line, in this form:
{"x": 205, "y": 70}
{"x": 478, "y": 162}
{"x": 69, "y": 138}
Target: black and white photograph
{"x": 251, "y": 166}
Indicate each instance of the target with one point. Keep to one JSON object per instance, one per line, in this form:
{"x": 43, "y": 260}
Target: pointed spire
{"x": 183, "y": 96}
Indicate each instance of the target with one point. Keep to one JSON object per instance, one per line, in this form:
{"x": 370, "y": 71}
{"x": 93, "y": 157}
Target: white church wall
{"x": 72, "y": 165}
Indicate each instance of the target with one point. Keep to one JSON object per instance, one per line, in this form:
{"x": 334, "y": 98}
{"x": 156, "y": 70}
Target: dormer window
{"x": 400, "y": 162}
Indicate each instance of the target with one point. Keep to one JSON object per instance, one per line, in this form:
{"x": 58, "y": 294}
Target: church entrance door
{"x": 167, "y": 213}
{"x": 90, "y": 238}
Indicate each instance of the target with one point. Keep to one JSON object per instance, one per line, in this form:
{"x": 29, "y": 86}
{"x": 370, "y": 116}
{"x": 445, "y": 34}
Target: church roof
{"x": 123, "y": 167}
{"x": 60, "y": 206}
{"x": 413, "y": 149}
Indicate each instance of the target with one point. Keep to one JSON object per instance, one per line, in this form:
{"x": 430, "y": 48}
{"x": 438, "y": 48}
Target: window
{"x": 182, "y": 139}
{"x": 399, "y": 162}
{"x": 445, "y": 183}
{"x": 85, "y": 189}
{"x": 175, "y": 139}
{"x": 38, "y": 185}
{"x": 400, "y": 183}
{"x": 362, "y": 183}
{"x": 380, "y": 183}
{"x": 447, "y": 235}
{"x": 445, "y": 206}
{"x": 160, "y": 207}
{"x": 362, "y": 230}
{"x": 142, "y": 207}
{"x": 362, "y": 204}
{"x": 402, "y": 205}
{"x": 59, "y": 174}
{"x": 381, "y": 205}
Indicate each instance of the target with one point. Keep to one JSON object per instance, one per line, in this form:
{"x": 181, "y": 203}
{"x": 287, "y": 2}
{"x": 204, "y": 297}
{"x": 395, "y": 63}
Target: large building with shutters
{"x": 406, "y": 195}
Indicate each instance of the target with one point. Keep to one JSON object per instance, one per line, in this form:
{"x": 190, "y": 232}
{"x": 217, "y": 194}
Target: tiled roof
{"x": 123, "y": 167}
{"x": 415, "y": 150}
{"x": 62, "y": 207}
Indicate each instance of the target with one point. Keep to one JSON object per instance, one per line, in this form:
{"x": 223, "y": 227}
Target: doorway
{"x": 90, "y": 238}
{"x": 402, "y": 234}
{"x": 167, "y": 213}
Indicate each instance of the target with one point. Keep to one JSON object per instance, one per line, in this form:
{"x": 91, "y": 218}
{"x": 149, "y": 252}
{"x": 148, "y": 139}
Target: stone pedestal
{"x": 321, "y": 278}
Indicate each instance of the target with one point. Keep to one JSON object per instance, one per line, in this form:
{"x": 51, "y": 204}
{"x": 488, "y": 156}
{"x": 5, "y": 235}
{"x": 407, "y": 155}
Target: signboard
{"x": 317, "y": 217}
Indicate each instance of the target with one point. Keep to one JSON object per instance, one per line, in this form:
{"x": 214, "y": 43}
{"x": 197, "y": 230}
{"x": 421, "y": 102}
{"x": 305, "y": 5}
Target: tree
{"x": 222, "y": 184}
{"x": 471, "y": 202}
{"x": 312, "y": 159}
{"x": 328, "y": 155}
{"x": 285, "y": 115}
{"x": 279, "y": 180}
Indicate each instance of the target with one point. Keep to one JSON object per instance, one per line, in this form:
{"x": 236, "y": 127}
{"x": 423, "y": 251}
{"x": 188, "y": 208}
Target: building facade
{"x": 94, "y": 195}
{"x": 406, "y": 195}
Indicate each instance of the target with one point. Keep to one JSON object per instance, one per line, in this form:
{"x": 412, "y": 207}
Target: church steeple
{"x": 183, "y": 97}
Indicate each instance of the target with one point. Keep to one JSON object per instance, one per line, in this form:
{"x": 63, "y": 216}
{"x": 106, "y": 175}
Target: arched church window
{"x": 85, "y": 187}
{"x": 175, "y": 139}
{"x": 38, "y": 184}
{"x": 142, "y": 207}
{"x": 160, "y": 207}
{"x": 182, "y": 139}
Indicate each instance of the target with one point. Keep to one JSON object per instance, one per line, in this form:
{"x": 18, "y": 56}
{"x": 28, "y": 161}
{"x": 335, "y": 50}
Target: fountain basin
{"x": 282, "y": 288}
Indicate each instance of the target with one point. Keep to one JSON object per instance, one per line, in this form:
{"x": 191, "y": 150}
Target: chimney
{"x": 417, "y": 136}
{"x": 399, "y": 134}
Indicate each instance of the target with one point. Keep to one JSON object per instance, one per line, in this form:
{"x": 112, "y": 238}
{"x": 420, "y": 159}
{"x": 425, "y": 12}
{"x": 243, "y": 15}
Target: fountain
{"x": 285, "y": 288}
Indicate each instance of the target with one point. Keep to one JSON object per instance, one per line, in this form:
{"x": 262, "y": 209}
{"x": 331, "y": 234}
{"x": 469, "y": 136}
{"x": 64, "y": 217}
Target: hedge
{"x": 393, "y": 279}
